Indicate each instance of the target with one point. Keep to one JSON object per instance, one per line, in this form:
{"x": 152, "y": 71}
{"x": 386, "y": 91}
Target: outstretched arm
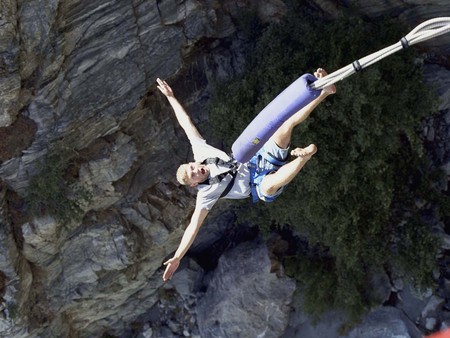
{"x": 183, "y": 118}
{"x": 190, "y": 233}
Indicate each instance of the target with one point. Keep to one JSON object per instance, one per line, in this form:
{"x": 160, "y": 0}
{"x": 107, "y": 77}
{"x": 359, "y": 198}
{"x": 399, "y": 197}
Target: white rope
{"x": 427, "y": 30}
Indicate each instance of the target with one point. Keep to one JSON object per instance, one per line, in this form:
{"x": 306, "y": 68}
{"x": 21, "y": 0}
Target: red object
{"x": 442, "y": 334}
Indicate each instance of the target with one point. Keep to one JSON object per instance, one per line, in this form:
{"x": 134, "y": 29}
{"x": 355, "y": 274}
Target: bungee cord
{"x": 425, "y": 31}
{"x": 306, "y": 88}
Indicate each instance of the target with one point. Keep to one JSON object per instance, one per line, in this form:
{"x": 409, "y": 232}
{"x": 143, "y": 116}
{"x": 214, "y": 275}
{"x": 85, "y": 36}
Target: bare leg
{"x": 271, "y": 183}
{"x": 282, "y": 136}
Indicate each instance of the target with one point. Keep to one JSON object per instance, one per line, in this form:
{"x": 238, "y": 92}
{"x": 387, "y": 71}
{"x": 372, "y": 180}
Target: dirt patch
{"x": 17, "y": 137}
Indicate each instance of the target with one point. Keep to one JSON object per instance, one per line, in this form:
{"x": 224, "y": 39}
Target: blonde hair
{"x": 182, "y": 176}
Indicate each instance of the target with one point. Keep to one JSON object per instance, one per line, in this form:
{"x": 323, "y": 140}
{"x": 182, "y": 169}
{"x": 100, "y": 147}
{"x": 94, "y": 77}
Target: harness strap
{"x": 229, "y": 186}
{"x": 232, "y": 166}
{"x": 253, "y": 174}
{"x": 215, "y": 179}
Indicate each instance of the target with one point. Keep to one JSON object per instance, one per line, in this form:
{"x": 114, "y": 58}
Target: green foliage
{"x": 319, "y": 284}
{"x": 50, "y": 191}
{"x": 354, "y": 193}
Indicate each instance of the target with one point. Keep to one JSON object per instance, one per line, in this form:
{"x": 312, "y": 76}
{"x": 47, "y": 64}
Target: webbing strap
{"x": 232, "y": 166}
{"x": 229, "y": 186}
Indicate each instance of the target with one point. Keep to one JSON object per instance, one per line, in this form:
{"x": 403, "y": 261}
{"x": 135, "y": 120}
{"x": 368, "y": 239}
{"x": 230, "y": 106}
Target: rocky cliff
{"x": 80, "y": 74}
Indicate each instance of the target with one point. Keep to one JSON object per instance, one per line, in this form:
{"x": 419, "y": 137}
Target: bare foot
{"x": 331, "y": 89}
{"x": 304, "y": 152}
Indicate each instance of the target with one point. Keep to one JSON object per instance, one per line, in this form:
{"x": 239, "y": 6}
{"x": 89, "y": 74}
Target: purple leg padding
{"x": 265, "y": 124}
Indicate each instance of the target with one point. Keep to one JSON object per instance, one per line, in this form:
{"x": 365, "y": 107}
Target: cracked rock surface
{"x": 81, "y": 74}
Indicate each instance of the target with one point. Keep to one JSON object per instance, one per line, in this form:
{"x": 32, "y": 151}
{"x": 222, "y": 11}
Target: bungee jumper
{"x": 259, "y": 166}
{"x": 218, "y": 175}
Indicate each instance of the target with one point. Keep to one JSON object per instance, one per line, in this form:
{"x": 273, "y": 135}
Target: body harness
{"x": 232, "y": 166}
{"x": 260, "y": 165}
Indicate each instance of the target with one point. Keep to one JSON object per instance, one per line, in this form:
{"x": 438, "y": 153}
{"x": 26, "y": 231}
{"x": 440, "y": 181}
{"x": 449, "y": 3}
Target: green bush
{"x": 51, "y": 192}
{"x": 352, "y": 197}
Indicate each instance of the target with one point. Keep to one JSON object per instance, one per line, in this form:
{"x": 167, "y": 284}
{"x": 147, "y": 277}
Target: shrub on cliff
{"x": 357, "y": 197}
{"x": 51, "y": 190}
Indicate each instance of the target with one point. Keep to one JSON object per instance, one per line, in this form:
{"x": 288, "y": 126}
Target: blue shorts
{"x": 264, "y": 167}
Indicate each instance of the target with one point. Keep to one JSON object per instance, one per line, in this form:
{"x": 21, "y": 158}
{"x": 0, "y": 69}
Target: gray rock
{"x": 147, "y": 333}
{"x": 439, "y": 78}
{"x": 447, "y": 116}
{"x": 445, "y": 325}
{"x": 412, "y": 302}
{"x": 302, "y": 325}
{"x": 153, "y": 231}
{"x": 430, "y": 134}
{"x": 433, "y": 306}
{"x": 430, "y": 324}
{"x": 385, "y": 322}
{"x": 187, "y": 280}
{"x": 380, "y": 287}
{"x": 243, "y": 298}
{"x": 16, "y": 278}
{"x": 84, "y": 72}
{"x": 446, "y": 168}
{"x": 397, "y": 284}
{"x": 41, "y": 240}
{"x": 9, "y": 68}
{"x": 98, "y": 175}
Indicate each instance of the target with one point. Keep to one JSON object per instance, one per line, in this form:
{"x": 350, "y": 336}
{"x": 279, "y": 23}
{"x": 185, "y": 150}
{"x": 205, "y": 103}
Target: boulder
{"x": 243, "y": 298}
{"x": 385, "y": 322}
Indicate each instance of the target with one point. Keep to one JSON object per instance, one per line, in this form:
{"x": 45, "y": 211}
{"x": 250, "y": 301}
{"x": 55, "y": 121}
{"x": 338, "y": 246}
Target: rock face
{"x": 81, "y": 74}
{"x": 386, "y": 322}
{"x": 243, "y": 298}
{"x": 383, "y": 322}
{"x": 9, "y": 68}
